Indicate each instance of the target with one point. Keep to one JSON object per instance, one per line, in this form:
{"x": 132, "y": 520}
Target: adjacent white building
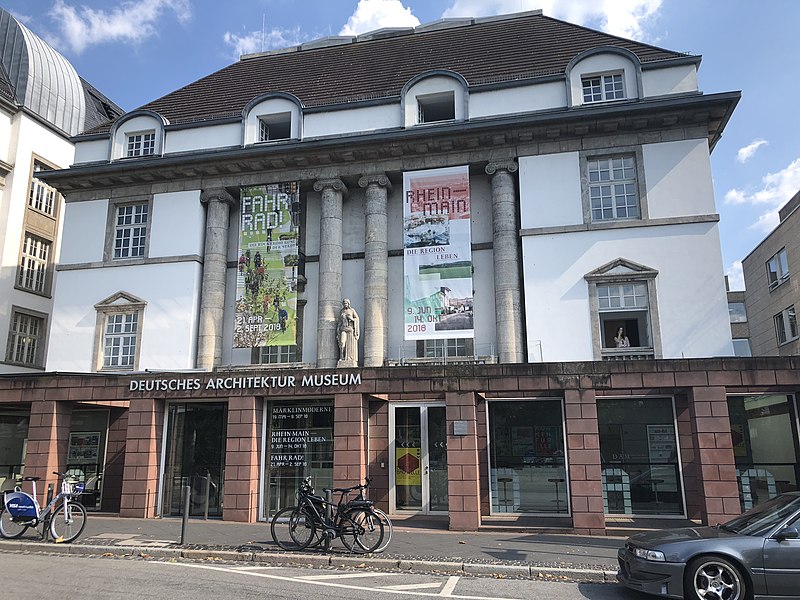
{"x": 43, "y": 102}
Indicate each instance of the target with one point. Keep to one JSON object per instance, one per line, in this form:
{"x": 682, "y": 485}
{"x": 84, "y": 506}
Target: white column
{"x": 212, "y": 300}
{"x": 376, "y": 270}
{"x": 507, "y": 296}
{"x": 330, "y": 270}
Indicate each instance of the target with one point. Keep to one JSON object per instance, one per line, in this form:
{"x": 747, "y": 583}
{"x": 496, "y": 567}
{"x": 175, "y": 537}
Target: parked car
{"x": 756, "y": 555}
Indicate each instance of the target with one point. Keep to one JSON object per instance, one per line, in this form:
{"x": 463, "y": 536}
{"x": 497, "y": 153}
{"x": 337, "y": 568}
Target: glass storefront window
{"x": 526, "y": 457}
{"x": 639, "y": 457}
{"x": 13, "y": 440}
{"x": 299, "y": 443}
{"x": 765, "y": 446}
{"x": 196, "y": 439}
{"x": 86, "y": 452}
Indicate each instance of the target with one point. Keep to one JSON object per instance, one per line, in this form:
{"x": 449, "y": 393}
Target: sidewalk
{"x": 515, "y": 554}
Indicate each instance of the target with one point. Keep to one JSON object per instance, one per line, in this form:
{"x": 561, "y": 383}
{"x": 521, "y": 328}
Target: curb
{"x": 300, "y": 559}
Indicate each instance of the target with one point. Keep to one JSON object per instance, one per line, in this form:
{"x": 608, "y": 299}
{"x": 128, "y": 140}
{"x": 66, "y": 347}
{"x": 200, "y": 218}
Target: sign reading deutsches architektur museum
{"x": 437, "y": 244}
{"x": 266, "y": 277}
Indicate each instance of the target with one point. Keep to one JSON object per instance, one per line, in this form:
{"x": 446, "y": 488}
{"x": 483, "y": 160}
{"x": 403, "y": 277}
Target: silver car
{"x": 756, "y": 555}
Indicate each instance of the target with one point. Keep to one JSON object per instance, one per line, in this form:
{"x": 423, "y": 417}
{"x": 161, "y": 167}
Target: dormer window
{"x": 601, "y": 88}
{"x": 275, "y": 127}
{"x": 142, "y": 143}
{"x": 436, "y": 107}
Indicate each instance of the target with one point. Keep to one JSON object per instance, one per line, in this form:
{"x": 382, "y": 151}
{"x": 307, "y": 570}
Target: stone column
{"x": 583, "y": 457}
{"x": 48, "y": 438}
{"x": 508, "y": 310}
{"x": 330, "y": 270}
{"x": 376, "y": 270}
{"x": 463, "y": 482}
{"x": 215, "y": 264}
{"x": 142, "y": 450}
{"x": 350, "y": 418}
{"x": 242, "y": 454}
{"x": 717, "y": 495}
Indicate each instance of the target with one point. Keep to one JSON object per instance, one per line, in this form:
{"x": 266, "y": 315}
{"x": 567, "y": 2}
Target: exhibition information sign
{"x": 437, "y": 243}
{"x": 266, "y": 277}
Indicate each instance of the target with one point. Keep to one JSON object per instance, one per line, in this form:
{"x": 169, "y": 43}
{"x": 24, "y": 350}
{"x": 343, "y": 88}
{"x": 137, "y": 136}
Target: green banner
{"x": 266, "y": 276}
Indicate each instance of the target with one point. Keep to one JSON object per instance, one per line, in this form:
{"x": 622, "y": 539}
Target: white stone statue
{"x": 347, "y": 332}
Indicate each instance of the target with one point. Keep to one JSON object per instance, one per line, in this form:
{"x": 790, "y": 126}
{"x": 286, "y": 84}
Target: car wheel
{"x": 714, "y": 578}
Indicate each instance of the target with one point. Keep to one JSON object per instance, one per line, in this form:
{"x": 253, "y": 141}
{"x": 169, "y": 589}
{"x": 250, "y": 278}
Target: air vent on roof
{"x": 385, "y": 32}
{"x": 333, "y": 40}
{"x": 444, "y": 24}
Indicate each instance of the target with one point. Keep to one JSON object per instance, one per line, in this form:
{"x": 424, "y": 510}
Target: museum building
{"x": 477, "y": 260}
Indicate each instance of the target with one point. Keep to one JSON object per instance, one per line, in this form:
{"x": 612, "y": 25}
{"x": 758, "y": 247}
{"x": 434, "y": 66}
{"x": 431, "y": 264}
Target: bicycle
{"x": 354, "y": 522}
{"x": 63, "y": 517}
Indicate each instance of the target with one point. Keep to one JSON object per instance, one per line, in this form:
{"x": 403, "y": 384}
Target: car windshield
{"x": 764, "y": 517}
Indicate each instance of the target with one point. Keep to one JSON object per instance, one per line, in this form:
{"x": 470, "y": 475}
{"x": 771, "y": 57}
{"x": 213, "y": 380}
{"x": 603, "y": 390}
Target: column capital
{"x": 335, "y": 184}
{"x": 505, "y": 165}
{"x": 374, "y": 178}
{"x": 219, "y": 194}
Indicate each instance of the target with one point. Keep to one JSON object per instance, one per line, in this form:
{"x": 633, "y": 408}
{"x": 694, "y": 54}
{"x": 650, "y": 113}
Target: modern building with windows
{"x": 772, "y": 294}
{"x": 43, "y": 102}
{"x": 490, "y": 280}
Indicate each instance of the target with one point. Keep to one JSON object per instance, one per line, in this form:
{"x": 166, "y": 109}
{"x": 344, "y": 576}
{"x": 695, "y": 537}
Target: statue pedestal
{"x": 344, "y": 363}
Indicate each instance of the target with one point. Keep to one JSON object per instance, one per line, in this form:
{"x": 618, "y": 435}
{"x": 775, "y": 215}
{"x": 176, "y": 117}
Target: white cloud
{"x": 257, "y": 41}
{"x": 376, "y": 14}
{"x": 776, "y": 190}
{"x": 132, "y": 21}
{"x": 747, "y": 152}
{"x": 625, "y": 18}
{"x": 735, "y": 276}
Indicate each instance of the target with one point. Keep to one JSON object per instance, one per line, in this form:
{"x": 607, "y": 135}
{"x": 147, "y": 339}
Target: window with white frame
{"x": 32, "y": 273}
{"x": 130, "y": 230}
{"x": 612, "y": 188}
{"x": 42, "y": 197}
{"x": 625, "y": 307}
{"x": 141, "y": 144}
{"x": 786, "y": 325}
{"x": 778, "y": 268}
{"x": 433, "y": 108}
{"x": 600, "y": 88}
{"x": 119, "y": 340}
{"x": 26, "y": 339}
{"x": 275, "y": 127}
{"x": 274, "y": 355}
{"x": 447, "y": 348}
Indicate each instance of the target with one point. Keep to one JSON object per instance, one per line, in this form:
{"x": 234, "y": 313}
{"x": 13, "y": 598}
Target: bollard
{"x": 208, "y": 493}
{"x": 49, "y": 494}
{"x": 187, "y": 501}
{"x": 328, "y": 505}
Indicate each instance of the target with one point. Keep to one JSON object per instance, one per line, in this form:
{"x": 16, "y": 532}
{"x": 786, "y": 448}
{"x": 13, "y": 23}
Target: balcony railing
{"x": 628, "y": 354}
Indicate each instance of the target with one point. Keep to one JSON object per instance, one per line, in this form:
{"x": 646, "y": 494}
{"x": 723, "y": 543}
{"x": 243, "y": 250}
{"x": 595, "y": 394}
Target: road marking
{"x": 253, "y": 568}
{"x": 448, "y": 588}
{"x": 345, "y": 576}
{"x": 325, "y": 583}
{"x": 412, "y": 586}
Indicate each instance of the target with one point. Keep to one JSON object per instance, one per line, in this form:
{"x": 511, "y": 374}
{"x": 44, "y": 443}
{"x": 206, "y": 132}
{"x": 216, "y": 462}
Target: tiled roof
{"x": 482, "y": 51}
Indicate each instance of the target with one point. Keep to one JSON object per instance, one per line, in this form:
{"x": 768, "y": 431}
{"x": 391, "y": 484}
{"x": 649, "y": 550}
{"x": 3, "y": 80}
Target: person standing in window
{"x": 621, "y": 340}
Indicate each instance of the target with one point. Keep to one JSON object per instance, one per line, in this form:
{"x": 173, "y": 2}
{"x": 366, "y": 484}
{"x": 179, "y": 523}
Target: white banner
{"x": 437, "y": 243}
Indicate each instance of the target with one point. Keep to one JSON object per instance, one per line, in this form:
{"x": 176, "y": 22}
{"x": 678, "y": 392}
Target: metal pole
{"x": 208, "y": 493}
{"x": 328, "y": 505}
{"x": 186, "y": 502}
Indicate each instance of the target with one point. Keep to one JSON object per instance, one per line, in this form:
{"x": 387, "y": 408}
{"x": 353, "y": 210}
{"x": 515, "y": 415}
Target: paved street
{"x": 71, "y": 577}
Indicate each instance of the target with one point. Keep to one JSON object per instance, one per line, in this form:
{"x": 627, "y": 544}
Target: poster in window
{"x": 84, "y": 447}
{"x": 267, "y": 267}
{"x": 437, "y": 248}
{"x": 663, "y": 456}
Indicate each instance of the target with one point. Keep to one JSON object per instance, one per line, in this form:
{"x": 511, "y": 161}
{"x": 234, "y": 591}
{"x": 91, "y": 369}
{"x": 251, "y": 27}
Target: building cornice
{"x": 486, "y": 139}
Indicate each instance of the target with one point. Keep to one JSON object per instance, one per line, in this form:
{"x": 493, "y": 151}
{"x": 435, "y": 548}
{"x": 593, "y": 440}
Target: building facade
{"x": 494, "y": 286}
{"x": 771, "y": 293}
{"x": 43, "y": 102}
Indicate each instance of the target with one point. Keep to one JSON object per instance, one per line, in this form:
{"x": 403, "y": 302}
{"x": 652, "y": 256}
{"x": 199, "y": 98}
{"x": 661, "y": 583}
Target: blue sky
{"x": 135, "y": 51}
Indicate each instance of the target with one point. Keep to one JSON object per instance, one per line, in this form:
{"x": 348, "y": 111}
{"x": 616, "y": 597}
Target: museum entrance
{"x": 195, "y": 457}
{"x": 418, "y": 447}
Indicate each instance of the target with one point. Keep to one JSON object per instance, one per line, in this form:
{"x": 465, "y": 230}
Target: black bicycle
{"x": 315, "y": 521}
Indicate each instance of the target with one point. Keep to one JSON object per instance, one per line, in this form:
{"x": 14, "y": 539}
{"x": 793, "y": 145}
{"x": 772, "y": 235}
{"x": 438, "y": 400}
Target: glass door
{"x": 195, "y": 457}
{"x": 419, "y": 450}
